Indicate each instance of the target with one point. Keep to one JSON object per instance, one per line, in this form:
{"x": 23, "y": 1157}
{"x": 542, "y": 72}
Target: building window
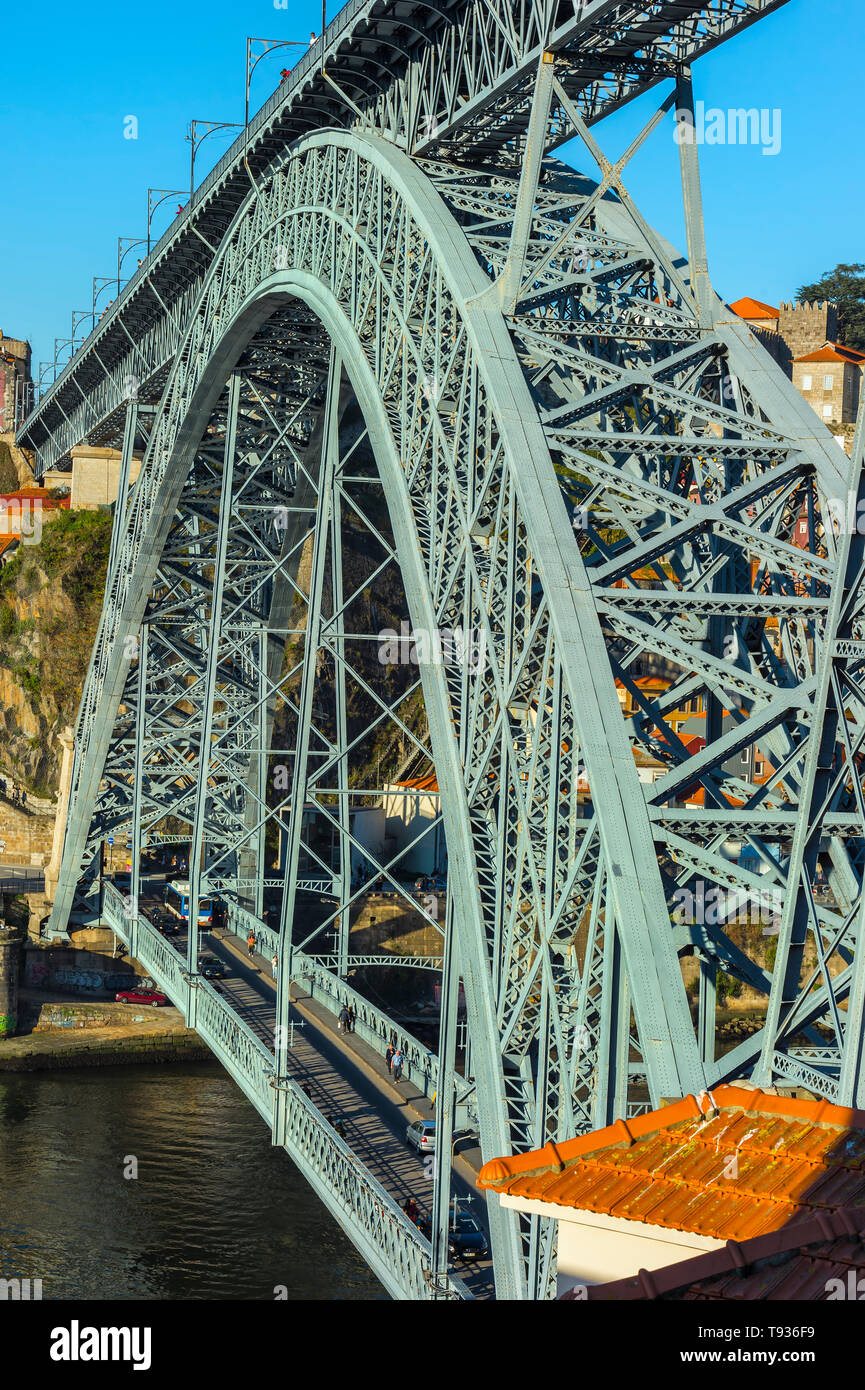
{"x": 828, "y": 382}
{"x": 827, "y": 411}
{"x": 806, "y": 383}
{"x": 758, "y": 768}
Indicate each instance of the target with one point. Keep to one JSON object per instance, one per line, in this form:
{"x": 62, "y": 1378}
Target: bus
{"x": 177, "y": 901}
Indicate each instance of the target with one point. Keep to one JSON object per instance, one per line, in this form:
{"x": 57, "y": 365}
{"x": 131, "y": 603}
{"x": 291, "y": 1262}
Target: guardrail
{"x": 371, "y": 1023}
{"x": 391, "y": 1245}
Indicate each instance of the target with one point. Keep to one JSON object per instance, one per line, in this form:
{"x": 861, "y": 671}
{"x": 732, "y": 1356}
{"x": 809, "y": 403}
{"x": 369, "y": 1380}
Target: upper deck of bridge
{"x": 374, "y": 67}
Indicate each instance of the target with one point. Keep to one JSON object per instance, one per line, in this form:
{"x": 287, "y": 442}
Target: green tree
{"x": 845, "y": 285}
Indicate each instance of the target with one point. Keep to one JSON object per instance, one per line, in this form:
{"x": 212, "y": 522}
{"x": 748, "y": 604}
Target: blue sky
{"x": 72, "y": 183}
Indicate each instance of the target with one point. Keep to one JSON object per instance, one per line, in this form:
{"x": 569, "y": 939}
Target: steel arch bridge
{"x": 394, "y": 345}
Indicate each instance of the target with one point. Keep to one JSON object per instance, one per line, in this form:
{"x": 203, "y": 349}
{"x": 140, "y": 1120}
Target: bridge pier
{"x": 10, "y": 949}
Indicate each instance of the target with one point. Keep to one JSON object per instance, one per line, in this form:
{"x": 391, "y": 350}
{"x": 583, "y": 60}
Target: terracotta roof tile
{"x": 748, "y": 308}
{"x": 833, "y": 352}
{"x": 742, "y": 1165}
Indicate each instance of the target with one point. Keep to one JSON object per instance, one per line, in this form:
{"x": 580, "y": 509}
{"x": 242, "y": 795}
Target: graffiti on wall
{"x": 42, "y": 975}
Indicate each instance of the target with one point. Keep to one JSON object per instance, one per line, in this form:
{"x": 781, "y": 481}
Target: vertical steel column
{"x": 828, "y": 720}
{"x": 507, "y": 287}
{"x": 261, "y": 834}
{"x": 118, "y": 529}
{"x": 706, "y": 1009}
{"x": 692, "y": 199}
{"x": 444, "y": 1101}
{"x": 301, "y": 751}
{"x": 140, "y": 729}
{"x": 196, "y": 847}
{"x": 344, "y": 920}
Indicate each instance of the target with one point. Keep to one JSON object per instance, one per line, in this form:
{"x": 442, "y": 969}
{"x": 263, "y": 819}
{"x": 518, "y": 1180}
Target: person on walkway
{"x": 340, "y": 1129}
{"x": 274, "y": 961}
{"x": 388, "y": 1056}
{"x": 250, "y": 942}
{"x": 342, "y": 1019}
{"x": 312, "y": 39}
{"x": 410, "y": 1207}
{"x": 284, "y": 74}
{"x": 397, "y": 1066}
{"x": 350, "y": 1012}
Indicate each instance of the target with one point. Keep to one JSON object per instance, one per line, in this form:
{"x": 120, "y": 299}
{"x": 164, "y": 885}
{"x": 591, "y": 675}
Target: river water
{"x": 214, "y": 1213}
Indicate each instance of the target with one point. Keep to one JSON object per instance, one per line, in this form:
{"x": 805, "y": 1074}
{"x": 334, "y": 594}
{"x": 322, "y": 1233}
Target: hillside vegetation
{"x": 50, "y": 600}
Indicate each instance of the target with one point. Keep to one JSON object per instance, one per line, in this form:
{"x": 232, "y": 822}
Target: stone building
{"x": 830, "y": 379}
{"x": 802, "y": 338}
{"x": 16, "y": 383}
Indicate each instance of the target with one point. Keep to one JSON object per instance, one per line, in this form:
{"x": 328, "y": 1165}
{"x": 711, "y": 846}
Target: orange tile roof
{"x": 833, "y": 352}
{"x": 32, "y": 491}
{"x": 420, "y": 784}
{"x": 748, "y": 308}
{"x": 672, "y": 1167}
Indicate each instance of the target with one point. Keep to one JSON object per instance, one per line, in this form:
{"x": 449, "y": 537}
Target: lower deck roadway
{"x": 348, "y": 1082}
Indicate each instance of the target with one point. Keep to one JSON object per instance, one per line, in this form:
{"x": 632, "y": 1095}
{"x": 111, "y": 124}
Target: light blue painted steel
{"x": 392, "y": 1246}
{"x": 618, "y": 428}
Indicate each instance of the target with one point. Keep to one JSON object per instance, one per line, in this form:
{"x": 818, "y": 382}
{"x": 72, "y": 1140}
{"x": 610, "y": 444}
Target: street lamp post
{"x": 125, "y": 244}
{"x": 196, "y": 140}
{"x": 252, "y": 63}
{"x": 152, "y": 205}
{"x": 100, "y": 284}
{"x": 78, "y": 317}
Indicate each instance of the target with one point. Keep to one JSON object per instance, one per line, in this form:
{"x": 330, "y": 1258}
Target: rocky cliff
{"x": 50, "y": 599}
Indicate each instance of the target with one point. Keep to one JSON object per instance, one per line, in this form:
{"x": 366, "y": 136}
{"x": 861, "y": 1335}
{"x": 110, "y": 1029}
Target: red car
{"x": 141, "y": 996}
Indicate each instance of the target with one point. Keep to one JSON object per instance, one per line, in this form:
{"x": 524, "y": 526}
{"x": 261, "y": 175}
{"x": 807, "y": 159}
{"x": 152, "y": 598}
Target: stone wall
{"x": 65, "y": 970}
{"x": 96, "y": 476}
{"x": 28, "y": 835}
{"x": 806, "y": 327}
{"x": 388, "y": 924}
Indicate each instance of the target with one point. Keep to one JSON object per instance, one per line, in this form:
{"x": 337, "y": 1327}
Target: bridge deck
{"x": 347, "y": 1081}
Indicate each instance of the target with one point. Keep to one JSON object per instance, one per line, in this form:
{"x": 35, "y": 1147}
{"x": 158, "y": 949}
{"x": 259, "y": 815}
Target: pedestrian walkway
{"x": 347, "y": 1081}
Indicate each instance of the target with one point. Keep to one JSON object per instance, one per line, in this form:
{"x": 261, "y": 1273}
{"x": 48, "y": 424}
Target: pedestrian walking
{"x": 342, "y": 1019}
{"x": 410, "y": 1207}
{"x": 312, "y": 39}
{"x": 397, "y": 1065}
{"x": 388, "y": 1056}
{"x": 250, "y": 942}
{"x": 350, "y": 1012}
{"x": 274, "y": 962}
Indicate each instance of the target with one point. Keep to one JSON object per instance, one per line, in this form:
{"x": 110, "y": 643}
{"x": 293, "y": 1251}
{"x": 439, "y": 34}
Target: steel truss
{"x": 544, "y": 421}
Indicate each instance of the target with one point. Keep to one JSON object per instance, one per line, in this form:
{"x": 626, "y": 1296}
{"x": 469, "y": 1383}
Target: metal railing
{"x": 392, "y": 1245}
{"x": 371, "y": 1023}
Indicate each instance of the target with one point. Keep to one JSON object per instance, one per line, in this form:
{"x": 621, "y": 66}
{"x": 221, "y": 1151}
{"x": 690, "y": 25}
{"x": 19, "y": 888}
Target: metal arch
{"x": 627, "y": 405}
{"x": 560, "y": 570}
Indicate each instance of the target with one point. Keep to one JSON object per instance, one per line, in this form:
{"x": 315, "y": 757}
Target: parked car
{"x": 141, "y": 996}
{"x": 422, "y": 1136}
{"x": 211, "y": 968}
{"x": 466, "y": 1240}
